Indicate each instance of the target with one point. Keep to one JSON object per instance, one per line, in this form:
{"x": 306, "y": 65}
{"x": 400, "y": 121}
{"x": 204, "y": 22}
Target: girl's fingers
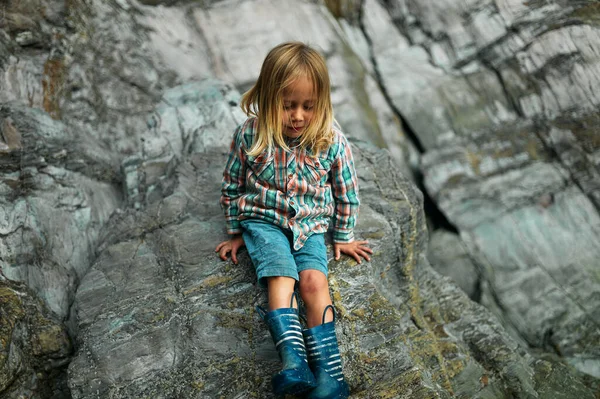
{"x": 357, "y": 252}
{"x": 219, "y": 246}
{"x": 223, "y": 253}
{"x": 360, "y": 254}
{"x": 234, "y": 255}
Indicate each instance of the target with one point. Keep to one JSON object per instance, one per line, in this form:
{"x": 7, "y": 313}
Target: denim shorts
{"x": 272, "y": 253}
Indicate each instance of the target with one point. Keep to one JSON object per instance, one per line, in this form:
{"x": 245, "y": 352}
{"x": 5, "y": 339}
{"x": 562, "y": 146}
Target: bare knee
{"x": 313, "y": 283}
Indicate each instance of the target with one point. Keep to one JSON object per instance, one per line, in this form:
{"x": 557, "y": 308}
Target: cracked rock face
{"x": 502, "y": 96}
{"x": 113, "y": 137}
{"x": 56, "y": 192}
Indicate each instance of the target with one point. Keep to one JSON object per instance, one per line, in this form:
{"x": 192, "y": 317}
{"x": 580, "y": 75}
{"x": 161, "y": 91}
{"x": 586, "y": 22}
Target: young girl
{"x": 290, "y": 172}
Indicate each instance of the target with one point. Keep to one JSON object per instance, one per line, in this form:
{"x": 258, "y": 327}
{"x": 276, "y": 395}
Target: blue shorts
{"x": 272, "y": 253}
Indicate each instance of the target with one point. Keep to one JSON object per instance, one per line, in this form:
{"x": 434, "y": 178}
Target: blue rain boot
{"x": 286, "y": 331}
{"x": 325, "y": 361}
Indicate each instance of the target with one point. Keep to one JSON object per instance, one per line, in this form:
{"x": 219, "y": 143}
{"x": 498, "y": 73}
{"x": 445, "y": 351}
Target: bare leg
{"x": 280, "y": 292}
{"x": 314, "y": 290}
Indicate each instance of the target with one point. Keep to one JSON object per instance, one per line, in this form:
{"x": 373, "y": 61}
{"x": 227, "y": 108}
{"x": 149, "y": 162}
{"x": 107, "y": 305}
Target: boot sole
{"x": 293, "y": 382}
{"x": 328, "y": 387}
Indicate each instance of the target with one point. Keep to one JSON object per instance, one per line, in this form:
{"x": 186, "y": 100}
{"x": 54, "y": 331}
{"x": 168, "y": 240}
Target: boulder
{"x": 160, "y": 315}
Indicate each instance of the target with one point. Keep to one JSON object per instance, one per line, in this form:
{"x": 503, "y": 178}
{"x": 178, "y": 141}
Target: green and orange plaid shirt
{"x": 295, "y": 190}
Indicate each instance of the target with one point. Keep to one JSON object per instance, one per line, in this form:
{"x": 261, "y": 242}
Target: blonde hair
{"x": 283, "y": 65}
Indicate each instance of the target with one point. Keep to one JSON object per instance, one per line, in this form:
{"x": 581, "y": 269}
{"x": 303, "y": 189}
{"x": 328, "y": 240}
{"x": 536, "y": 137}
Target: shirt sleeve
{"x": 234, "y": 182}
{"x": 345, "y": 191}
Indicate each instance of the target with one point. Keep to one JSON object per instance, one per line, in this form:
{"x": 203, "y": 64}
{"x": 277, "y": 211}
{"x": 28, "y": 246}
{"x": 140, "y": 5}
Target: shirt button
{"x": 290, "y": 176}
{"x": 317, "y": 164}
{"x": 291, "y": 202}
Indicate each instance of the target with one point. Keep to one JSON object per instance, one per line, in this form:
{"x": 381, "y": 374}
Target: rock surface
{"x": 34, "y": 345}
{"x": 449, "y": 256}
{"x": 500, "y": 95}
{"x": 497, "y": 96}
{"x": 57, "y": 191}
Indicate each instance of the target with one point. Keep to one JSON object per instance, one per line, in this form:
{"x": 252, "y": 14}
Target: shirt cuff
{"x": 343, "y": 236}
{"x": 234, "y": 227}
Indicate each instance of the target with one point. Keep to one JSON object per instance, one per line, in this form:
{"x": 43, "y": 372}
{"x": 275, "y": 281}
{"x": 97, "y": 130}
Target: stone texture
{"x": 56, "y": 191}
{"x": 112, "y": 76}
{"x": 34, "y": 345}
{"x": 450, "y": 257}
{"x": 189, "y": 119}
{"x": 28, "y": 30}
{"x": 499, "y": 95}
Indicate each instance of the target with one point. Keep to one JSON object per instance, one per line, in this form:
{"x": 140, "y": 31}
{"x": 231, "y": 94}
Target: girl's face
{"x": 299, "y": 101}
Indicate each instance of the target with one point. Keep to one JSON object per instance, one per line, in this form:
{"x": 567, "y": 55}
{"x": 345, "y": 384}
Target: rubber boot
{"x": 286, "y": 331}
{"x": 325, "y": 361}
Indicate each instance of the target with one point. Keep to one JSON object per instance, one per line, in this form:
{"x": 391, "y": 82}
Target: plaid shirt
{"x": 294, "y": 190}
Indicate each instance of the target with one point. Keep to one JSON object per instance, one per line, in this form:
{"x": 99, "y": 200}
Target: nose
{"x": 297, "y": 114}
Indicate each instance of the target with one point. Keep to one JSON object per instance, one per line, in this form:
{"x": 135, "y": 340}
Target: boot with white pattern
{"x": 286, "y": 331}
{"x": 325, "y": 361}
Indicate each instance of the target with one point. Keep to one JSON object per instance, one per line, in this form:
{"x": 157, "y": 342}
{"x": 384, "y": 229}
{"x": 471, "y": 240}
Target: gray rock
{"x": 449, "y": 256}
{"x": 189, "y": 119}
{"x": 112, "y": 78}
{"x": 28, "y": 74}
{"x": 500, "y": 95}
{"x": 57, "y": 189}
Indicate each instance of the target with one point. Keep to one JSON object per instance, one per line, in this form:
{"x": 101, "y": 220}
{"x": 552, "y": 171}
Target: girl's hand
{"x": 355, "y": 249}
{"x": 232, "y": 245}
